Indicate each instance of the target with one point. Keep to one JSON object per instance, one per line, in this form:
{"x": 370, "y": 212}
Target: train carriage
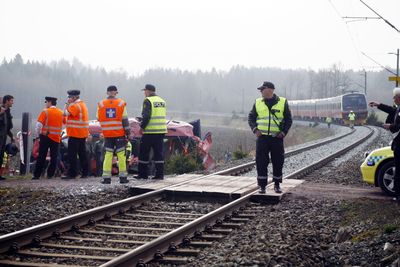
{"x": 338, "y": 108}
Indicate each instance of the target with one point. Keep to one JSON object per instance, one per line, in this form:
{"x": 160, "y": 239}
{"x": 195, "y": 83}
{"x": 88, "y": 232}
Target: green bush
{"x": 389, "y": 228}
{"x": 372, "y": 119}
{"x": 178, "y": 164}
{"x": 239, "y": 153}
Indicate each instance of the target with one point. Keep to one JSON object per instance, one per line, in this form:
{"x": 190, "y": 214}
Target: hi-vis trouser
{"x": 265, "y": 145}
{"x": 116, "y": 144}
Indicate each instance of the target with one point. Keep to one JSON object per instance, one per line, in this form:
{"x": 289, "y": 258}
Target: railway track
{"x": 135, "y": 231}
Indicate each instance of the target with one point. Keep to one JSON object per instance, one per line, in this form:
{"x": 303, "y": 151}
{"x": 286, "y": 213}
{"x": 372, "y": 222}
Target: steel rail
{"x": 26, "y": 236}
{"x": 45, "y": 230}
{"x": 146, "y": 252}
{"x": 36, "y": 233}
{"x": 249, "y": 165}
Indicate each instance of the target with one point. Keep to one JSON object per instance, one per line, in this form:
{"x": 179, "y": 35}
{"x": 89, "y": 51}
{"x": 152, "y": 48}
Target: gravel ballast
{"x": 302, "y": 230}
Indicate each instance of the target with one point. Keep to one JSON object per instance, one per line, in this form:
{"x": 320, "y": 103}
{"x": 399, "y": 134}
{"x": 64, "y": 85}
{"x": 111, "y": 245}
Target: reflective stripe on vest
{"x": 52, "y": 126}
{"x": 268, "y": 123}
{"x": 78, "y": 126}
{"x": 110, "y": 112}
{"x": 158, "y": 122}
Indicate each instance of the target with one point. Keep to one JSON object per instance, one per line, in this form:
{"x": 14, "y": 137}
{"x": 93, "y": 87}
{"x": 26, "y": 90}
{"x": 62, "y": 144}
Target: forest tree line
{"x": 201, "y": 91}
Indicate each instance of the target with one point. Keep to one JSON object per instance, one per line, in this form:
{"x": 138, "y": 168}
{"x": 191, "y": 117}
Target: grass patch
{"x": 365, "y": 235}
{"x": 376, "y": 217}
{"x": 390, "y": 228}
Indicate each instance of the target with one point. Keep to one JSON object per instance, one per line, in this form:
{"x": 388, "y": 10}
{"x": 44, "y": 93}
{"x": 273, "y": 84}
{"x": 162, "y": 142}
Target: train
{"x": 338, "y": 108}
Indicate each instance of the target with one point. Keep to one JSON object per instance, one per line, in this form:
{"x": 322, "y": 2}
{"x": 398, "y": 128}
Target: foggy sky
{"x": 191, "y": 35}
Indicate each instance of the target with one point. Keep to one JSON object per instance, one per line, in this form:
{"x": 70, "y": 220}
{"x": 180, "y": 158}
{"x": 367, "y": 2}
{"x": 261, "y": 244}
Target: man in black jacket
{"x": 390, "y": 110}
{"x": 270, "y": 120}
{"x": 394, "y": 127}
{"x": 5, "y": 126}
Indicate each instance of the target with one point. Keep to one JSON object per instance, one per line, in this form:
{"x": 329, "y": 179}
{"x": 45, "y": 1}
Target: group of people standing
{"x": 270, "y": 120}
{"x": 113, "y": 118}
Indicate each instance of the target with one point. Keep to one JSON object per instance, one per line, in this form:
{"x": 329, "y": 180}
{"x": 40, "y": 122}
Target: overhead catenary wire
{"x": 385, "y": 20}
{"x": 378, "y": 63}
{"x": 355, "y": 44}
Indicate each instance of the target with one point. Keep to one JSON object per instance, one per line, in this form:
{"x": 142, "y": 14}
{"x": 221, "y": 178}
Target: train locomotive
{"x": 338, "y": 108}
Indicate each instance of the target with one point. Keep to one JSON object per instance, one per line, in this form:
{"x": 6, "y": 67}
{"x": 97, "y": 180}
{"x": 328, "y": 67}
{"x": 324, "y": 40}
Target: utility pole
{"x": 365, "y": 82}
{"x": 397, "y": 69}
{"x": 242, "y": 100}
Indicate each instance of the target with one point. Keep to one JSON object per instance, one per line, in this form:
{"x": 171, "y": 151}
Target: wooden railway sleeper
{"x": 230, "y": 225}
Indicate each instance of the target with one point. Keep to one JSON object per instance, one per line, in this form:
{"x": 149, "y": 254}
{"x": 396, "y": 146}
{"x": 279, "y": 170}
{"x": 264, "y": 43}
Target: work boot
{"x": 35, "y": 178}
{"x": 2, "y": 178}
{"x": 139, "y": 177}
{"x": 66, "y": 177}
{"x": 262, "y": 190}
{"x": 106, "y": 180}
{"x": 277, "y": 188}
{"x": 158, "y": 178}
{"x": 123, "y": 180}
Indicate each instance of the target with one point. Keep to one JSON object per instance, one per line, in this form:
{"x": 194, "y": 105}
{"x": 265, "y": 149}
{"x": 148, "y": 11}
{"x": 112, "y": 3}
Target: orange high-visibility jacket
{"x": 110, "y": 114}
{"x": 52, "y": 120}
{"x": 77, "y": 121}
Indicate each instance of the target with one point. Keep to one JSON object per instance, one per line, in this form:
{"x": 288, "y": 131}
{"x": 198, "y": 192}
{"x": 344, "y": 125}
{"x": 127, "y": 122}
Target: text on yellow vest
{"x": 158, "y": 122}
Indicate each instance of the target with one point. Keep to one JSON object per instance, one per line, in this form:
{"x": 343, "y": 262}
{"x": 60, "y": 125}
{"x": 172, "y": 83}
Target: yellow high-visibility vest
{"x": 158, "y": 121}
{"x": 269, "y": 122}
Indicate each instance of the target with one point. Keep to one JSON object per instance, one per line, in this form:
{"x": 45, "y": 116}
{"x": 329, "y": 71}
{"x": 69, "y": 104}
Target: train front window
{"x": 354, "y": 102}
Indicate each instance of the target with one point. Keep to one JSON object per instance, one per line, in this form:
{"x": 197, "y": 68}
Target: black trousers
{"x": 77, "y": 147}
{"x": 45, "y": 144}
{"x": 396, "y": 177}
{"x": 3, "y": 140}
{"x": 148, "y": 142}
{"x": 265, "y": 146}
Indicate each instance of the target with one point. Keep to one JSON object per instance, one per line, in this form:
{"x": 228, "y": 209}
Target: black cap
{"x": 112, "y": 88}
{"x": 149, "y": 87}
{"x": 73, "y": 92}
{"x": 266, "y": 85}
{"x": 50, "y": 98}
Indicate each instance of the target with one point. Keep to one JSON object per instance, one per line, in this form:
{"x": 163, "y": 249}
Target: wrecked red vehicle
{"x": 181, "y": 138}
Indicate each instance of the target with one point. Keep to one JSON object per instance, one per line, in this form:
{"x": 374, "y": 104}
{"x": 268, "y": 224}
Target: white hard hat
{"x": 396, "y": 91}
